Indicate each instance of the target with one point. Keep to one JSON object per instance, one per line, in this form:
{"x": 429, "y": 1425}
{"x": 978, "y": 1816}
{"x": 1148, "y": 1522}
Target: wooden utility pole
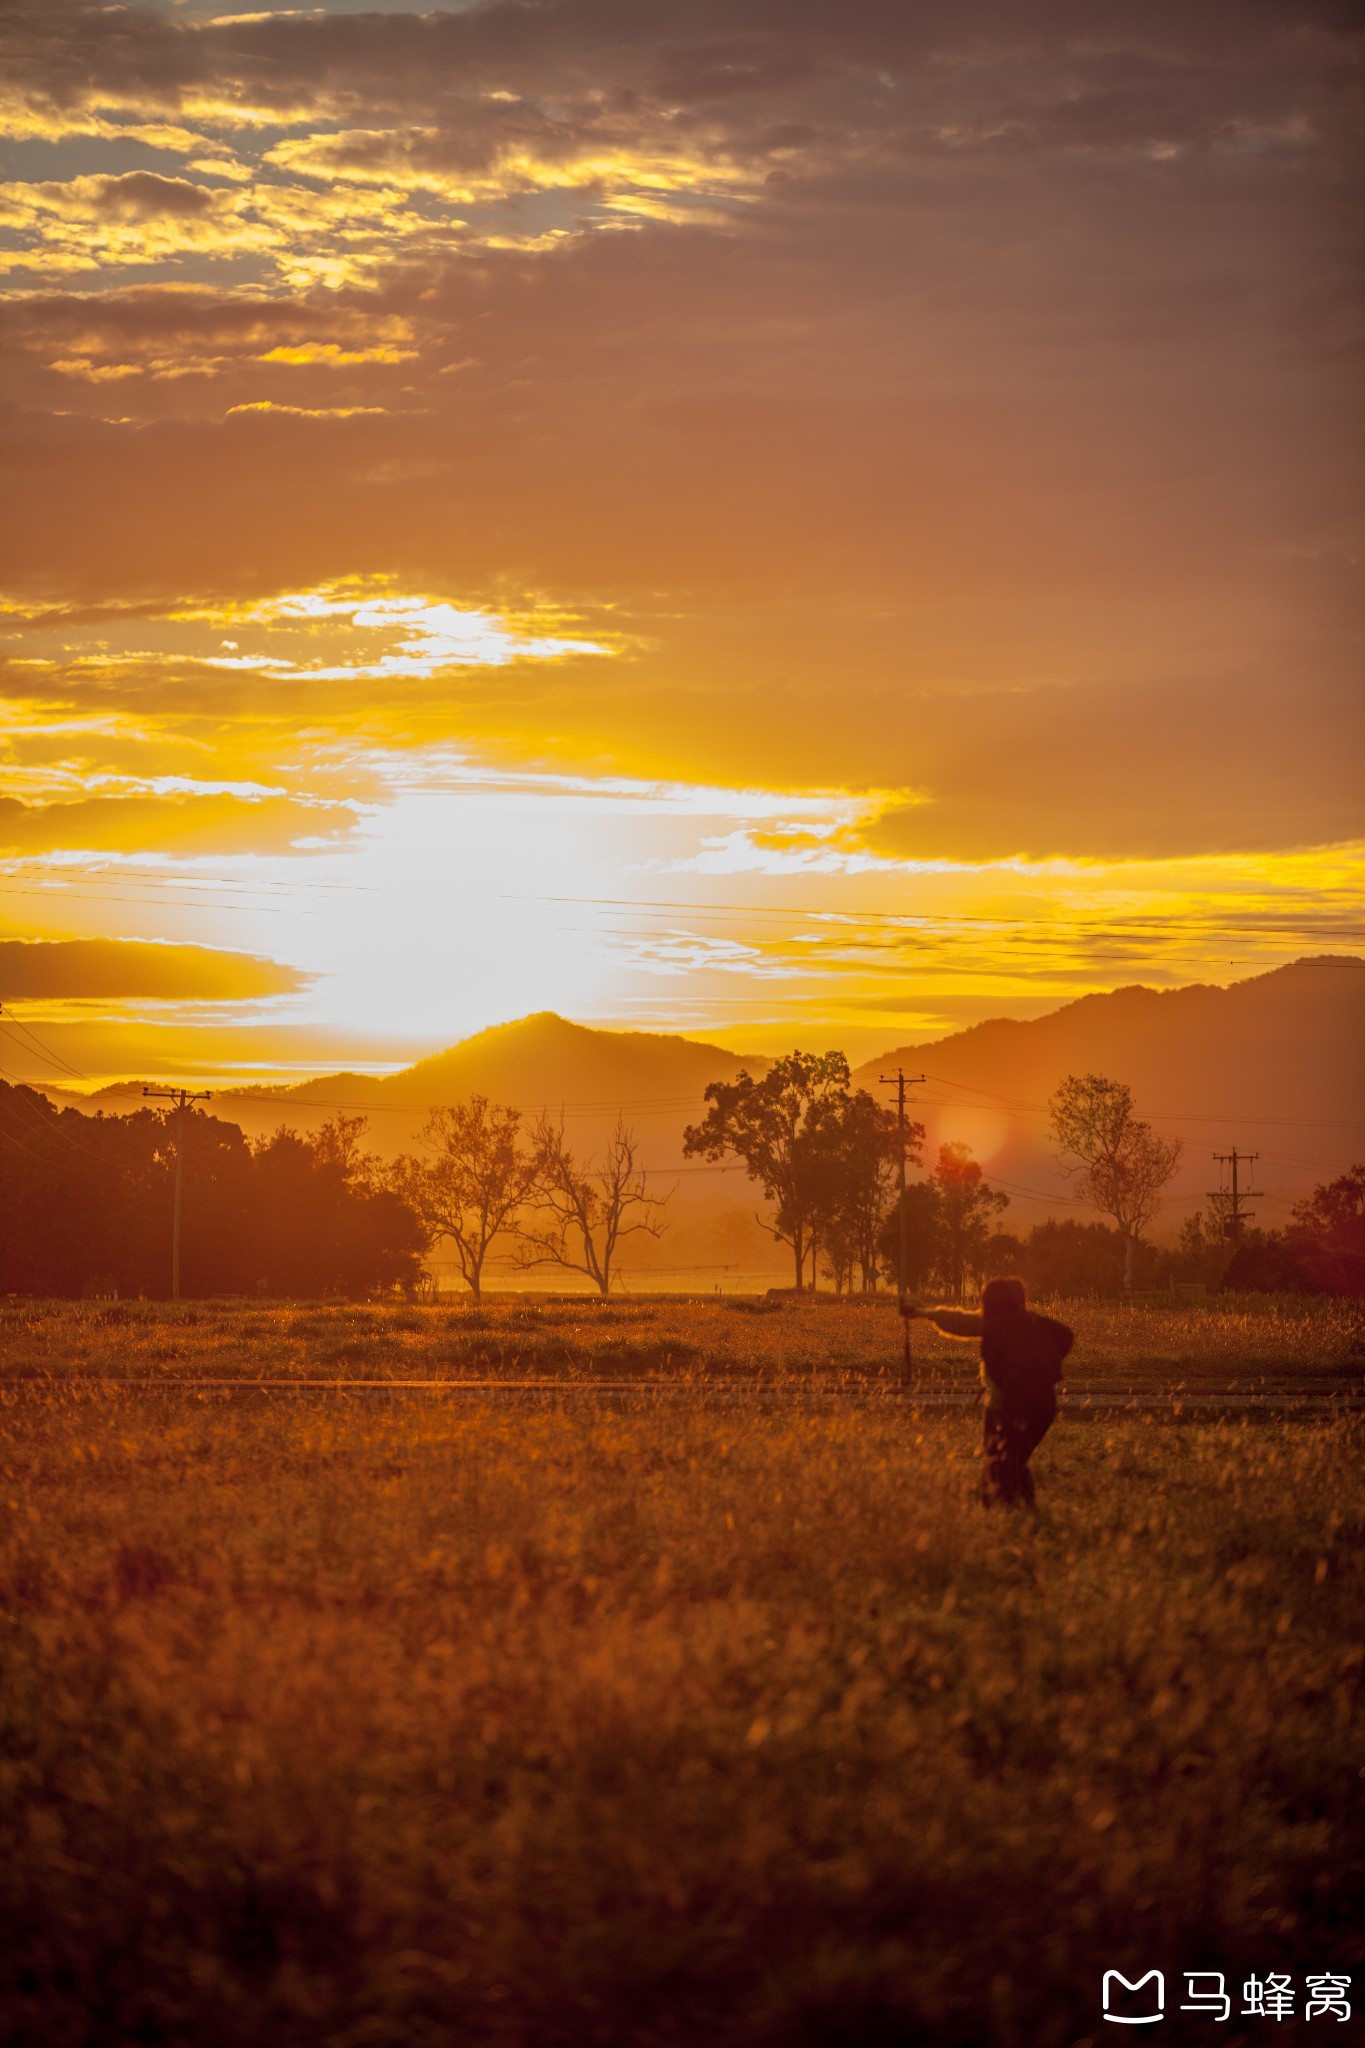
{"x": 900, "y": 1081}
{"x": 1236, "y": 1215}
{"x": 182, "y": 1098}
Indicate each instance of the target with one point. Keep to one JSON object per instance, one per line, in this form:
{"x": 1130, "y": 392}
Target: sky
{"x": 790, "y": 522}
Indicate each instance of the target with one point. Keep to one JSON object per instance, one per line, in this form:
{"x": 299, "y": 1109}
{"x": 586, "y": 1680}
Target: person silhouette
{"x": 1021, "y": 1364}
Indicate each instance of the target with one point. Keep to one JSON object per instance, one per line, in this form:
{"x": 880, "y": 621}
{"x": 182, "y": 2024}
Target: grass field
{"x": 367, "y": 1722}
{"x": 1254, "y": 1344}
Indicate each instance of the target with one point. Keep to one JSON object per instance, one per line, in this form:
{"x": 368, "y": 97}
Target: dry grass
{"x": 1253, "y": 1344}
{"x": 360, "y": 1721}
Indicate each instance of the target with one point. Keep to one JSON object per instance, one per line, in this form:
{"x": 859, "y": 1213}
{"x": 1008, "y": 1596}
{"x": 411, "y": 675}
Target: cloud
{"x": 183, "y": 824}
{"x": 142, "y": 195}
{"x": 123, "y": 969}
{"x": 956, "y": 397}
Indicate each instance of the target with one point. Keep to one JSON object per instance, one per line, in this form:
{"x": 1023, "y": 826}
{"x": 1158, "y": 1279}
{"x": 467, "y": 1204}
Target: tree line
{"x": 826, "y": 1156}
{"x": 86, "y": 1201}
{"x": 86, "y": 1207}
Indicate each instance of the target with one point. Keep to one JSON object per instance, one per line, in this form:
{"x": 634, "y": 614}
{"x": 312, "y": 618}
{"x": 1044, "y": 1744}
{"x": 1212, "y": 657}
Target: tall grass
{"x": 344, "y": 1723}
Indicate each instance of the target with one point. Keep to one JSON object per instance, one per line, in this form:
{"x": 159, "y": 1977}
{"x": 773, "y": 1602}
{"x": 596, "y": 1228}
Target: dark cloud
{"x": 126, "y": 969}
{"x": 142, "y": 195}
{"x": 951, "y": 74}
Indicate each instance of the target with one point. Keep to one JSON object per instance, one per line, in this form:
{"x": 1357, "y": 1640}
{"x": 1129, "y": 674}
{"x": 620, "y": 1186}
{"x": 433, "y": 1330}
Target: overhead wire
{"x": 42, "y": 1123}
{"x": 8, "y": 1019}
{"x": 1104, "y": 925}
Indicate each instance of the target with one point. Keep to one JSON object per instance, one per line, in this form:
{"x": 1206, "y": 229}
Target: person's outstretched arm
{"x": 953, "y": 1322}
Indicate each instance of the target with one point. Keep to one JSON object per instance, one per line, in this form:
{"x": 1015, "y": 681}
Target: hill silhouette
{"x": 655, "y": 1080}
{"x": 545, "y": 1062}
{"x": 1270, "y": 1064}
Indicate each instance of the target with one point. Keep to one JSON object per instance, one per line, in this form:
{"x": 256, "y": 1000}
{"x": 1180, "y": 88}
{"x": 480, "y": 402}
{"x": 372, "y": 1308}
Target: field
{"x": 370, "y": 1719}
{"x": 1259, "y": 1344}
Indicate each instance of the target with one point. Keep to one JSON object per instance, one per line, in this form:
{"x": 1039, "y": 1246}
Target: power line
{"x": 425, "y": 1108}
{"x": 23, "y": 1089}
{"x": 166, "y": 902}
{"x": 1165, "y": 1115}
{"x": 1210, "y": 925}
{"x": 53, "y": 1059}
{"x": 1102, "y": 923}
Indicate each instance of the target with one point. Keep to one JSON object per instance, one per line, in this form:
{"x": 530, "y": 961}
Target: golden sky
{"x": 789, "y": 521}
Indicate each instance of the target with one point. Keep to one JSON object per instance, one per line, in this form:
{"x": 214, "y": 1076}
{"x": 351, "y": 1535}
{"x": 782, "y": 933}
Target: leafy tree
{"x": 1002, "y": 1253}
{"x": 327, "y": 1219}
{"x": 1121, "y": 1162}
{"x": 1202, "y": 1252}
{"x": 1267, "y": 1262}
{"x": 966, "y": 1209}
{"x": 1322, "y": 1250}
{"x": 864, "y": 1146}
{"x": 85, "y": 1207}
{"x": 478, "y": 1178}
{"x": 1067, "y": 1257}
{"x": 785, "y": 1129}
{"x": 949, "y": 1233}
{"x": 921, "y": 1238}
{"x": 1328, "y": 1233}
{"x": 581, "y": 1214}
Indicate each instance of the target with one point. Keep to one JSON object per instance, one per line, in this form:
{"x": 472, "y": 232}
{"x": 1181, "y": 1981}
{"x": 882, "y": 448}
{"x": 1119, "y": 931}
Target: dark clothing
{"x": 1021, "y": 1363}
{"x": 1023, "y": 1354}
{"x": 1013, "y": 1434}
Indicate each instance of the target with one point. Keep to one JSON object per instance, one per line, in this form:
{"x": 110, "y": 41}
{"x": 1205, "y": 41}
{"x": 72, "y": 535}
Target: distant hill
{"x": 1271, "y": 1065}
{"x": 543, "y": 1062}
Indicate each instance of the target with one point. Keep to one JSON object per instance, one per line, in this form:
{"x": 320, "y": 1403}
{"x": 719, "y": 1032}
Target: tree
{"x": 584, "y": 1212}
{"x": 949, "y": 1219}
{"x": 86, "y": 1204}
{"x": 478, "y": 1179}
{"x": 326, "y": 1221}
{"x": 1328, "y": 1233}
{"x": 864, "y": 1147}
{"x": 1068, "y": 1257}
{"x": 1121, "y": 1162}
{"x": 921, "y": 1238}
{"x": 784, "y": 1128}
{"x": 1268, "y": 1262}
{"x": 1202, "y": 1252}
{"x": 966, "y": 1210}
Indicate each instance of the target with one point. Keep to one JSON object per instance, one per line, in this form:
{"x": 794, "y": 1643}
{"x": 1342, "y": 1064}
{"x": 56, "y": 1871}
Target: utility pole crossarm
{"x": 900, "y": 1081}
{"x": 1237, "y": 1196}
{"x": 182, "y": 1098}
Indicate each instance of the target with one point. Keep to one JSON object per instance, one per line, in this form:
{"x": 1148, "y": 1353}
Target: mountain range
{"x": 1271, "y": 1065}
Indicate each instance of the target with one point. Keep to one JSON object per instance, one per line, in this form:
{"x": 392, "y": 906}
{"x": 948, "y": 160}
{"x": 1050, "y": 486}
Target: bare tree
{"x": 1123, "y": 1165}
{"x": 581, "y": 1214}
{"x": 478, "y": 1178}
